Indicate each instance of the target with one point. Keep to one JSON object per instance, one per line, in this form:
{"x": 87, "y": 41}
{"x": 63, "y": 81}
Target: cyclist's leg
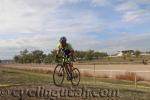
{"x": 71, "y": 66}
{"x": 71, "y": 69}
{"x": 68, "y": 72}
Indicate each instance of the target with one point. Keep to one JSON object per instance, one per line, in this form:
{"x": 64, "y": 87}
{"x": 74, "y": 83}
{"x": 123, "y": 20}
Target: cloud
{"x": 31, "y": 16}
{"x": 133, "y": 11}
{"x": 100, "y": 2}
{"x": 78, "y": 24}
{"x": 132, "y": 16}
{"x": 19, "y": 16}
{"x": 127, "y": 6}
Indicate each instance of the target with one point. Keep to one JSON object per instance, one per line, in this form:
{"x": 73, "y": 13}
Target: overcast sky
{"x": 102, "y": 25}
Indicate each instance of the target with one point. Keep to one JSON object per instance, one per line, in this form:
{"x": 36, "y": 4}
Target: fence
{"x": 94, "y": 76}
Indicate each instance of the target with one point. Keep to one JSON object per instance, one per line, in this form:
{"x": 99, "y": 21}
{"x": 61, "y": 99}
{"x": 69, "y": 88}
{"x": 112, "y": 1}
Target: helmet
{"x": 63, "y": 39}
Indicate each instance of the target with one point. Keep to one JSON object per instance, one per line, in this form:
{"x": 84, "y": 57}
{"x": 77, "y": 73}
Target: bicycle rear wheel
{"x": 75, "y": 77}
{"x": 58, "y": 75}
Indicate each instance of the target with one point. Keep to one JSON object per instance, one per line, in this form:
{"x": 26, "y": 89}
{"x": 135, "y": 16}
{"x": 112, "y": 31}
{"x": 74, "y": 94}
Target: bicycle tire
{"x": 73, "y": 76}
{"x": 60, "y": 68}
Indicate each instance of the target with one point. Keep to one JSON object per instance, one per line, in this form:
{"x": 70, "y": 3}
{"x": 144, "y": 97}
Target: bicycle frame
{"x": 65, "y": 63}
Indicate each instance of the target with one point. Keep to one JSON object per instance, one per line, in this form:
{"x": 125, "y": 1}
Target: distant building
{"x": 120, "y": 53}
{"x": 132, "y": 52}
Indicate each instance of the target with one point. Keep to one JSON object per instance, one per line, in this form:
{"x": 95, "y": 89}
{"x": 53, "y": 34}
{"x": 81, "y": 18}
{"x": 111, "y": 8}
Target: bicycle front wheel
{"x": 58, "y": 75}
{"x": 75, "y": 77}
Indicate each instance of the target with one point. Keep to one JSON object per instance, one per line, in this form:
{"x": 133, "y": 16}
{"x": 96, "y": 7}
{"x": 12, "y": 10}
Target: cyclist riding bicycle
{"x": 66, "y": 48}
{"x": 64, "y": 67}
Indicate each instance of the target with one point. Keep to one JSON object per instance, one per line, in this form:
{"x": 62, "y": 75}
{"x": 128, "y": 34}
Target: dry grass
{"x": 87, "y": 74}
{"x": 49, "y": 72}
{"x": 40, "y": 70}
{"x": 90, "y": 74}
{"x": 102, "y": 76}
{"x": 129, "y": 76}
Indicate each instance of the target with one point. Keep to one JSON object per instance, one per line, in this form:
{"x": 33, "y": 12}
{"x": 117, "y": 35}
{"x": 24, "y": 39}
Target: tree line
{"x": 38, "y": 56}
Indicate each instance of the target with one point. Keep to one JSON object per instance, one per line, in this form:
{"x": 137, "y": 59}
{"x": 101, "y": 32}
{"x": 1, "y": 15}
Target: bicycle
{"x": 62, "y": 68}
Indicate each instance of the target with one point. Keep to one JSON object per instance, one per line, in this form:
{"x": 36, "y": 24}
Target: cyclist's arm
{"x": 58, "y": 49}
{"x": 71, "y": 49}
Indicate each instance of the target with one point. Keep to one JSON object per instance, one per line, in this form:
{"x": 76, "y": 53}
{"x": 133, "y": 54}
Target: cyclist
{"x": 66, "y": 48}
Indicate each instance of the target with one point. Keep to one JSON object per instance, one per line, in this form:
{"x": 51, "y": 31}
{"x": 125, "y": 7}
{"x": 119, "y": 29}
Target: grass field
{"x": 23, "y": 78}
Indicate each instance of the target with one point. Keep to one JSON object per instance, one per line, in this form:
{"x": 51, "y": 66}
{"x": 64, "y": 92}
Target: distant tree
{"x": 96, "y": 55}
{"x": 128, "y": 55}
{"x": 137, "y": 53}
{"x": 24, "y": 56}
{"x": 24, "y": 52}
{"x": 49, "y": 59}
{"x": 53, "y": 53}
{"x": 80, "y": 54}
{"x": 29, "y": 58}
{"x": 16, "y": 59}
{"x": 100, "y": 54}
{"x": 89, "y": 55}
{"x": 124, "y": 56}
{"x": 46, "y": 60}
{"x": 38, "y": 56}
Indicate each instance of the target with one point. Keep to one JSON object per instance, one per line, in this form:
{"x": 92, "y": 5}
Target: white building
{"x": 120, "y": 53}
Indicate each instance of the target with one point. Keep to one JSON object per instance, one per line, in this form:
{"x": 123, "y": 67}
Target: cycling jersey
{"x": 68, "y": 46}
{"x": 67, "y": 50}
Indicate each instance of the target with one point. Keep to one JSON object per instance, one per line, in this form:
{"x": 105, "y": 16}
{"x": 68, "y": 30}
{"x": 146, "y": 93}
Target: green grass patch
{"x": 14, "y": 76}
